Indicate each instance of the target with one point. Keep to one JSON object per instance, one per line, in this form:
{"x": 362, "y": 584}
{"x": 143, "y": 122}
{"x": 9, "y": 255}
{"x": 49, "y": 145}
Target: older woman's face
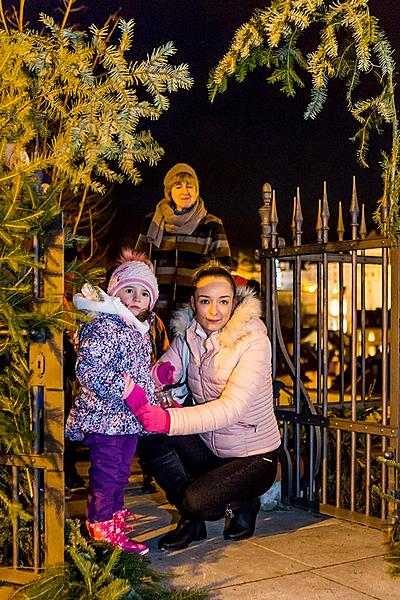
{"x": 213, "y": 303}
{"x": 184, "y": 194}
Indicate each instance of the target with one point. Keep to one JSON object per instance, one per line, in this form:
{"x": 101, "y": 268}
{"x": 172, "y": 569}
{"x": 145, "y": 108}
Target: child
{"x": 113, "y": 369}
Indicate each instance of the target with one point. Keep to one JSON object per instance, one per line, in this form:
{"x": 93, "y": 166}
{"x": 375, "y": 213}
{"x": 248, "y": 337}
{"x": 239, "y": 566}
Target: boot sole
{"x": 198, "y": 538}
{"x": 141, "y": 553}
{"x": 241, "y": 536}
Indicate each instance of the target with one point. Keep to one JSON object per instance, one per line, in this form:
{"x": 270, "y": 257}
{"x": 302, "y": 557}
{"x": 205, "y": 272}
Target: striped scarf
{"x": 166, "y": 218}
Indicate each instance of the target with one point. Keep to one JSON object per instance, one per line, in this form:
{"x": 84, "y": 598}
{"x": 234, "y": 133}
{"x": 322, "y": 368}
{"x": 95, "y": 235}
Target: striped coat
{"x": 178, "y": 256}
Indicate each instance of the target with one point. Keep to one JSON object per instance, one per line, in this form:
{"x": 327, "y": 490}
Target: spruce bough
{"x": 72, "y": 107}
{"x": 351, "y": 46}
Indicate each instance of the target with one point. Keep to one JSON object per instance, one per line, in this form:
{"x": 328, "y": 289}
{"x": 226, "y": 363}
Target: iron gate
{"x": 335, "y": 340}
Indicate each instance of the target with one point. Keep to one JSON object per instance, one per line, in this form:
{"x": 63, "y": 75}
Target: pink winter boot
{"x": 121, "y": 517}
{"x": 108, "y": 531}
{"x": 128, "y": 545}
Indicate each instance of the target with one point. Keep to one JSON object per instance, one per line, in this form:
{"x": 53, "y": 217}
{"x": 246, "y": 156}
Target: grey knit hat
{"x": 180, "y": 168}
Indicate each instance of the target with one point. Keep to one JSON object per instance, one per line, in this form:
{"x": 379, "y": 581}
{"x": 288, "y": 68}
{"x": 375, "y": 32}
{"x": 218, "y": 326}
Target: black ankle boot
{"x": 186, "y": 532}
{"x": 240, "y": 520}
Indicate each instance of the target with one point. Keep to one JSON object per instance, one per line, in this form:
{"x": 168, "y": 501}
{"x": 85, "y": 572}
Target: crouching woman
{"x": 217, "y": 457}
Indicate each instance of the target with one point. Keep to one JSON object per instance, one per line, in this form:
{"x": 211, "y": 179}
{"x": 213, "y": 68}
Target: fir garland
{"x": 72, "y": 105}
{"x": 94, "y": 570}
{"x": 352, "y": 46}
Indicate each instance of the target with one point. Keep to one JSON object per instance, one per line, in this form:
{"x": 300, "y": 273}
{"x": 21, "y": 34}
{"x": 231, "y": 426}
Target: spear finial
{"x": 298, "y": 219}
{"x": 363, "y": 225}
{"x": 325, "y": 214}
{"x": 318, "y": 226}
{"x": 354, "y": 210}
{"x": 293, "y": 224}
{"x": 340, "y": 226}
{"x": 274, "y": 221}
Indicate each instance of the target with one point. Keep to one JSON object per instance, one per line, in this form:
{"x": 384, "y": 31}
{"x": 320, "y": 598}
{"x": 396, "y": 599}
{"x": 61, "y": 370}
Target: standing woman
{"x": 179, "y": 236}
{"x": 221, "y": 454}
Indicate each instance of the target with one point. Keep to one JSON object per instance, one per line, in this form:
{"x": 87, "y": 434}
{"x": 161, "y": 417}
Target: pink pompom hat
{"x": 134, "y": 269}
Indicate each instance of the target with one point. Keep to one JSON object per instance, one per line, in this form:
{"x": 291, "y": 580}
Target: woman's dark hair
{"x": 212, "y": 268}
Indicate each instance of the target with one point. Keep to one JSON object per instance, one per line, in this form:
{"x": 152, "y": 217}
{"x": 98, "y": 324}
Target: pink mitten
{"x": 153, "y": 418}
{"x": 136, "y": 398}
{"x": 165, "y": 373}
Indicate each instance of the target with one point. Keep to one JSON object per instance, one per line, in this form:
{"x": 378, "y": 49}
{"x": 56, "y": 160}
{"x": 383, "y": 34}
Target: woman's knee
{"x": 202, "y": 505}
{"x": 192, "y": 502}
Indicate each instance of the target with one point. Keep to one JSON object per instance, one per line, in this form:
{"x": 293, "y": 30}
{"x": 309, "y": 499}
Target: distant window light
{"x": 278, "y": 274}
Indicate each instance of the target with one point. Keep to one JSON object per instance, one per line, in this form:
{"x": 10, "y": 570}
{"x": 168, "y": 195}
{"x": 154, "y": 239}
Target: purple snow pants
{"x": 110, "y": 468}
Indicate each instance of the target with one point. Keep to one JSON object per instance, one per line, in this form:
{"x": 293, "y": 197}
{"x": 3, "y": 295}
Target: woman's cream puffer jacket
{"x": 229, "y": 374}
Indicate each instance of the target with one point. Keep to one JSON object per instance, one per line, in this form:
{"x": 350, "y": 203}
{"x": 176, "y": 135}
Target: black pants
{"x": 214, "y": 481}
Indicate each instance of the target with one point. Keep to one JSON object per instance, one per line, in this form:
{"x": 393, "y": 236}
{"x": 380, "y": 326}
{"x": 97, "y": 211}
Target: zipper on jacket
{"x": 203, "y": 358}
{"x": 213, "y": 443}
{"x": 249, "y": 426}
{"x": 201, "y": 378}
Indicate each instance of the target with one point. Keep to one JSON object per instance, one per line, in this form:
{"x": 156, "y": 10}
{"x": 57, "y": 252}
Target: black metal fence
{"x": 334, "y": 325}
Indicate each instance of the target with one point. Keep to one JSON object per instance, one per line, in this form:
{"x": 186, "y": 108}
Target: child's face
{"x": 135, "y": 297}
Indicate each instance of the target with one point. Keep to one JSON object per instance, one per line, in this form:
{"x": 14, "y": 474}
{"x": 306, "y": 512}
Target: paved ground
{"x": 294, "y": 555}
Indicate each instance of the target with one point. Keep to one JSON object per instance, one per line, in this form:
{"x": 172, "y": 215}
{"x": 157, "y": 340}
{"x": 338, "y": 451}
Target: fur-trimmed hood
{"x": 247, "y": 310}
{"x": 95, "y": 301}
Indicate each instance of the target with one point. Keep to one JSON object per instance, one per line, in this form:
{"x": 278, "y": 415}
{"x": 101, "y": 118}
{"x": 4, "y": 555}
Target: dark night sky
{"x": 251, "y": 134}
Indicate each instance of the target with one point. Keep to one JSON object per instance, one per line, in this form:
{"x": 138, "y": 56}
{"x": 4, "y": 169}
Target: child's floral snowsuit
{"x": 109, "y": 348}
{"x": 113, "y": 358}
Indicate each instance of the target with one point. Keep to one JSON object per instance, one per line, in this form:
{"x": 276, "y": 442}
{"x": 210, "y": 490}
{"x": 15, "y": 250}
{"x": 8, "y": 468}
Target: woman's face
{"x": 184, "y": 194}
{"x": 212, "y": 303}
{"x": 135, "y": 297}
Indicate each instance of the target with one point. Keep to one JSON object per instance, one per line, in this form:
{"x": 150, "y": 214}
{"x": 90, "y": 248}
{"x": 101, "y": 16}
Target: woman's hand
{"x": 165, "y": 373}
{"x": 153, "y": 418}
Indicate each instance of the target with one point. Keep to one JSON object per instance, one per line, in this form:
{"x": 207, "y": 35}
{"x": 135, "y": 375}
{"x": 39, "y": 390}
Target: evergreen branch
{"x": 369, "y": 114}
{"x": 76, "y": 105}
{"x": 14, "y": 510}
{"x": 384, "y": 52}
{"x": 127, "y": 31}
{"x": 108, "y": 568}
{"x": 246, "y": 38}
{"x": 68, "y": 8}
{"x": 275, "y": 21}
{"x": 318, "y": 98}
{"x": 384, "y": 496}
{"x": 349, "y": 37}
